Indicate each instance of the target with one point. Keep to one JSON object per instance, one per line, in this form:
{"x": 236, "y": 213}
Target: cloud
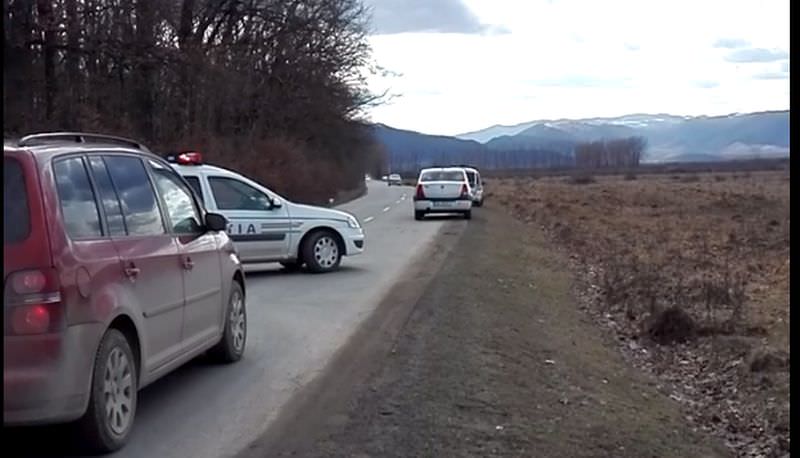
{"x": 771, "y": 76}
{"x": 731, "y": 43}
{"x": 583, "y": 81}
{"x": 578, "y": 38}
{"x": 632, "y": 47}
{"x": 497, "y": 30}
{"x": 706, "y": 84}
{"x": 440, "y": 16}
{"x": 575, "y": 65}
{"x": 756, "y": 55}
{"x": 773, "y": 72}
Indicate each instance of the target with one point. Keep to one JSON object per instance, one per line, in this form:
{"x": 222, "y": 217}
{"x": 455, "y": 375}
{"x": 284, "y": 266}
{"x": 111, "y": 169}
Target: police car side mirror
{"x": 216, "y": 222}
{"x": 275, "y": 203}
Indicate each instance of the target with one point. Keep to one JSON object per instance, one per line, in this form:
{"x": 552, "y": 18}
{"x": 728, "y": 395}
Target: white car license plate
{"x": 442, "y": 204}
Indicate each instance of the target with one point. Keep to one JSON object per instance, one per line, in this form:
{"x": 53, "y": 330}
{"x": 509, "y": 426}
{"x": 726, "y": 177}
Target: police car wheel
{"x": 321, "y": 252}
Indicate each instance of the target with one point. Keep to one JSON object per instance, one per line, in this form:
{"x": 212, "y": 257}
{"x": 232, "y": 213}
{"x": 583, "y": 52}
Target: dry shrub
{"x": 630, "y": 176}
{"x": 764, "y": 359}
{"x": 690, "y": 179}
{"x": 723, "y": 293}
{"x": 642, "y": 282}
{"x": 671, "y": 325}
{"x": 581, "y": 178}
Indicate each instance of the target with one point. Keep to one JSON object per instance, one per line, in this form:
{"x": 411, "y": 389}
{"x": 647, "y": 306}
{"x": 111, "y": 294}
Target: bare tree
{"x": 621, "y": 152}
{"x": 229, "y": 73}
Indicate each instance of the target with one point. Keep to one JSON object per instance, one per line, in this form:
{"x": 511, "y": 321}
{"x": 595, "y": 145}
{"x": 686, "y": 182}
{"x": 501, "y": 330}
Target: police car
{"x": 264, "y": 226}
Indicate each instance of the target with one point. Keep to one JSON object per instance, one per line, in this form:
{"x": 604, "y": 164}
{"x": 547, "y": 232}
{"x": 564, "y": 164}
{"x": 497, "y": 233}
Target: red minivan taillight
{"x": 420, "y": 193}
{"x": 30, "y": 319}
{"x": 33, "y": 302}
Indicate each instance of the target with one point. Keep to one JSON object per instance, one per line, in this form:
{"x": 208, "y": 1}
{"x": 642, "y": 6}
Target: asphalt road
{"x": 296, "y": 322}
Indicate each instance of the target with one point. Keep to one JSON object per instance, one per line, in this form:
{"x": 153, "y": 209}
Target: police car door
{"x": 259, "y": 228}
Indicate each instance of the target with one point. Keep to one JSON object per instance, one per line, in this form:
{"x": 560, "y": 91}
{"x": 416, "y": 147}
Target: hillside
{"x": 670, "y": 138}
{"x": 406, "y": 148}
{"x": 408, "y": 151}
{"x": 546, "y": 143}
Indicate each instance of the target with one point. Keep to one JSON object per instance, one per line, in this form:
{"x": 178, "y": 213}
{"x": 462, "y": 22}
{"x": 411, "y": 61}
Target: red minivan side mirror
{"x": 216, "y": 222}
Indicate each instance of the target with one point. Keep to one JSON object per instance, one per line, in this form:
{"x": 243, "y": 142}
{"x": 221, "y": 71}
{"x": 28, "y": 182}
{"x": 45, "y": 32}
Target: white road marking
{"x": 368, "y": 219}
{"x": 386, "y": 209}
{"x": 403, "y": 197}
{"x": 398, "y": 201}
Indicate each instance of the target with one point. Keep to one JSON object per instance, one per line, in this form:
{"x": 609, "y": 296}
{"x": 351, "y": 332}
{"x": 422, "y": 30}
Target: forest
{"x": 275, "y": 89}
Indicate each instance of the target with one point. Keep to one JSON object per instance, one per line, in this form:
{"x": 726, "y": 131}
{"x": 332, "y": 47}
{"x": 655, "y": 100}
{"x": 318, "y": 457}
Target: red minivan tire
{"x": 234, "y": 338}
{"x": 108, "y": 421}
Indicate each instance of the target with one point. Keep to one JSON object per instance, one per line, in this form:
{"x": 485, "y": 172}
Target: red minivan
{"x": 114, "y": 275}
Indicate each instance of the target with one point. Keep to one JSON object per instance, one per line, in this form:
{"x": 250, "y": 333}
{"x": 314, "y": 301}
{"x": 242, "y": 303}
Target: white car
{"x": 265, "y": 227}
{"x": 476, "y": 185}
{"x": 443, "y": 190}
{"x": 394, "y": 179}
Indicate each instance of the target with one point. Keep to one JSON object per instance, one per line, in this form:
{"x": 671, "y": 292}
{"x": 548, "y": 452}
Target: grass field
{"x": 697, "y": 262}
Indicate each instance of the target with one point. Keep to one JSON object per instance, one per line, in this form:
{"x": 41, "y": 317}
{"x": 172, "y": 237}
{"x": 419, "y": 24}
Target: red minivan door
{"x": 150, "y": 256}
{"x": 202, "y": 270}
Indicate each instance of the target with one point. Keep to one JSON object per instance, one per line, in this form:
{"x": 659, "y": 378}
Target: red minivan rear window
{"x": 16, "y": 217}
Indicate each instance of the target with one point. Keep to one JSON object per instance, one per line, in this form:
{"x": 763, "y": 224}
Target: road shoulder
{"x": 494, "y": 360}
{"x": 328, "y": 396}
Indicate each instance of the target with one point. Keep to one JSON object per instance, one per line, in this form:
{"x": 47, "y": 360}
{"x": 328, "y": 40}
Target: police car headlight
{"x": 353, "y": 223}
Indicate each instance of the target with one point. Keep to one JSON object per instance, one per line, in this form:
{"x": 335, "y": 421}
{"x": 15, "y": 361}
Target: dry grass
{"x": 716, "y": 246}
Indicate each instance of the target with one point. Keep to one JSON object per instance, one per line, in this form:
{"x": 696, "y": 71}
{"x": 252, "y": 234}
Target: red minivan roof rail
{"x": 78, "y": 137}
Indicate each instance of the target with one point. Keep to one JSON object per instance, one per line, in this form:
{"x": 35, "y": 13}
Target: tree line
{"x": 488, "y": 159}
{"x": 274, "y": 88}
{"x": 611, "y": 153}
{"x": 619, "y": 152}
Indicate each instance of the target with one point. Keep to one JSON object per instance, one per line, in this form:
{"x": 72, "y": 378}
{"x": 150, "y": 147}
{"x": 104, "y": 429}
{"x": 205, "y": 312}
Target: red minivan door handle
{"x": 131, "y": 271}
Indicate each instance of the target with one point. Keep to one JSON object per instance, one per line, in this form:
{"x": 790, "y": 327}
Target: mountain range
{"x": 670, "y": 138}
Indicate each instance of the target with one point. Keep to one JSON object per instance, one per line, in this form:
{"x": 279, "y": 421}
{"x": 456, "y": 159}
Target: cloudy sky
{"x": 460, "y": 65}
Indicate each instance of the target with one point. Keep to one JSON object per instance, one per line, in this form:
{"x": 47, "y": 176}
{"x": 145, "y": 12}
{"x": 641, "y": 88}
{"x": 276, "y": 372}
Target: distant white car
{"x": 476, "y": 185}
{"x": 265, "y": 227}
{"x": 443, "y": 190}
{"x": 394, "y": 179}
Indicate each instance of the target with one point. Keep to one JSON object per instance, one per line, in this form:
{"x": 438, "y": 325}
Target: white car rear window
{"x": 436, "y": 175}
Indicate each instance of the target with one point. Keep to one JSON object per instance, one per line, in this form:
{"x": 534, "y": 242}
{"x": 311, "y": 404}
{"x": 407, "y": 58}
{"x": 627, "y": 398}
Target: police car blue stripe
{"x": 271, "y": 237}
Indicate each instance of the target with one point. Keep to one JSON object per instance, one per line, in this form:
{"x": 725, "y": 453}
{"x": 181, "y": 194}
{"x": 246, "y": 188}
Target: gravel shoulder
{"x": 487, "y": 355}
